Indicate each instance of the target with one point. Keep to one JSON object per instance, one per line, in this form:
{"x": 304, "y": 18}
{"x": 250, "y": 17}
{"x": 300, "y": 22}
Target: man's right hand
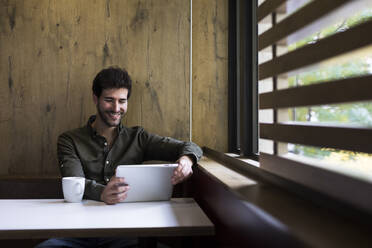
{"x": 115, "y": 191}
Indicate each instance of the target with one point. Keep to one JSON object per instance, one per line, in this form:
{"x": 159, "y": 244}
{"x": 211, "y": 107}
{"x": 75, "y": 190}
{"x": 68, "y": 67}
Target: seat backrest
{"x": 30, "y": 188}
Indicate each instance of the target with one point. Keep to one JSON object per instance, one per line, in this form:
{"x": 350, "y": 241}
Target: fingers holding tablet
{"x": 115, "y": 191}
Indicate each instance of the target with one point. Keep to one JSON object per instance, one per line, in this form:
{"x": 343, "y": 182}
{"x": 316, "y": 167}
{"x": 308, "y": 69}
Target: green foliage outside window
{"x": 351, "y": 113}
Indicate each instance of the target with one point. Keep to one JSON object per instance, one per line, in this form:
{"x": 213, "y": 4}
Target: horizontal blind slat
{"x": 337, "y": 91}
{"x": 331, "y": 46}
{"x": 345, "y": 138}
{"x": 357, "y": 192}
{"x": 306, "y": 15}
{"x": 267, "y": 8}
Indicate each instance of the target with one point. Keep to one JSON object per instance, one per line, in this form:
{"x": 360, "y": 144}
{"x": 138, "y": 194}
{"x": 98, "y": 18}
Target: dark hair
{"x": 111, "y": 78}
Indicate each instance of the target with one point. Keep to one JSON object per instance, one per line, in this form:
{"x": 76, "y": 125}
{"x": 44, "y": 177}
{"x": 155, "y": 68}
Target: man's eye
{"x": 108, "y": 100}
{"x": 123, "y": 101}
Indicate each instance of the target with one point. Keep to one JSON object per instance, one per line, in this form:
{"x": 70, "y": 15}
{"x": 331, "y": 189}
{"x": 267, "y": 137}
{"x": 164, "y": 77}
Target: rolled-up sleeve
{"x": 70, "y": 166}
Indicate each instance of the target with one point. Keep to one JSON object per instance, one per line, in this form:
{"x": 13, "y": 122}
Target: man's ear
{"x": 95, "y": 99}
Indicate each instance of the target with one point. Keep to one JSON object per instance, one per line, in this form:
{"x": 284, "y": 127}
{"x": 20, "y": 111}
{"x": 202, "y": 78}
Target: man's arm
{"x": 169, "y": 149}
{"x": 70, "y": 166}
{"x": 166, "y": 148}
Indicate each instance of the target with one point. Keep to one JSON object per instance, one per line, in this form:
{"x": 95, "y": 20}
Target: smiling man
{"x": 96, "y": 149}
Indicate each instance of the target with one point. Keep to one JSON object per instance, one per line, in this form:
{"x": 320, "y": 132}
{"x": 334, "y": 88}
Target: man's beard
{"x": 104, "y": 117}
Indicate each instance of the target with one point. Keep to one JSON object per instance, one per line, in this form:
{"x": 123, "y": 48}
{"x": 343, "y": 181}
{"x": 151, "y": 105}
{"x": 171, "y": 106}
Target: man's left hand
{"x": 183, "y": 171}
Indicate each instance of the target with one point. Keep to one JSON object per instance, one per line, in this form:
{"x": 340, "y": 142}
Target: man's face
{"x": 112, "y": 106}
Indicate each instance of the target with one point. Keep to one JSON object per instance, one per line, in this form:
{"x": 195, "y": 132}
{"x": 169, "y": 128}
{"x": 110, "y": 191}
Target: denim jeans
{"x": 89, "y": 243}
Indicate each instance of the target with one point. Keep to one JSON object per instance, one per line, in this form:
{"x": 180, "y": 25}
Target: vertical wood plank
{"x": 160, "y": 30}
{"x": 209, "y": 72}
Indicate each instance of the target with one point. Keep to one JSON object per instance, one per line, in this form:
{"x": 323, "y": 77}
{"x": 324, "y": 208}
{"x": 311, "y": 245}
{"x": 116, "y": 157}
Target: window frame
{"x": 243, "y": 98}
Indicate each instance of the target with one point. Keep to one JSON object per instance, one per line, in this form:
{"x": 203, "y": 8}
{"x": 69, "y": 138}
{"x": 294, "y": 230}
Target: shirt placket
{"x": 107, "y": 171}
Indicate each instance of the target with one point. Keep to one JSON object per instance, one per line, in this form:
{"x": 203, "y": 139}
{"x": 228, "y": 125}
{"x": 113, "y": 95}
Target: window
{"x": 307, "y": 112}
{"x": 315, "y": 101}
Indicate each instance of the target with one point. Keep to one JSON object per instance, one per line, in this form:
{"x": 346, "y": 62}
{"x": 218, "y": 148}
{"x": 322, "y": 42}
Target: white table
{"x": 23, "y": 219}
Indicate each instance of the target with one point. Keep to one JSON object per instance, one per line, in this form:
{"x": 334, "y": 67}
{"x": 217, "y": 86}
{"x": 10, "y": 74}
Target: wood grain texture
{"x": 209, "y": 73}
{"x": 50, "y": 53}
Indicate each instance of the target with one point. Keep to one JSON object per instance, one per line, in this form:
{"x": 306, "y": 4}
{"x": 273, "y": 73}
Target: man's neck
{"x": 102, "y": 129}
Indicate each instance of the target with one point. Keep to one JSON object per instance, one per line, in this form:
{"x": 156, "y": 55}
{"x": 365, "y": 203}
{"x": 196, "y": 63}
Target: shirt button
{"x": 107, "y": 179}
{"x": 105, "y": 143}
{"x": 107, "y": 162}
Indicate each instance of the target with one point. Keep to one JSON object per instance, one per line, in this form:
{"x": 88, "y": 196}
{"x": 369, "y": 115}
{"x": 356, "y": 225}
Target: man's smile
{"x": 114, "y": 115}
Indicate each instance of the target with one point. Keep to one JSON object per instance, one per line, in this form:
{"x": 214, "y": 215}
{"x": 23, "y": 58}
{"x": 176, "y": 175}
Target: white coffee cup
{"x": 73, "y": 188}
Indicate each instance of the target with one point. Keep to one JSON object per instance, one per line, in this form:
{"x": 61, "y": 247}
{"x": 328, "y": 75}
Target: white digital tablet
{"x": 148, "y": 182}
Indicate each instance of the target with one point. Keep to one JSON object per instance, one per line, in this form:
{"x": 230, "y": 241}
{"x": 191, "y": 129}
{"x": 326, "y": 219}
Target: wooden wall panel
{"x": 50, "y": 52}
{"x": 159, "y": 32}
{"x": 210, "y": 73}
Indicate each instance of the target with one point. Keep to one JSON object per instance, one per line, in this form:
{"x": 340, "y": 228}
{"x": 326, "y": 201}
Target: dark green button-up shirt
{"x": 84, "y": 153}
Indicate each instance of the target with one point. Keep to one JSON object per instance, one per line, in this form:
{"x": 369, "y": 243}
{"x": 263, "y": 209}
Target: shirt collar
{"x": 93, "y": 131}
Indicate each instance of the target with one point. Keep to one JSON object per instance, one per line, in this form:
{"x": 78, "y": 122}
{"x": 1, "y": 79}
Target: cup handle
{"x": 80, "y": 189}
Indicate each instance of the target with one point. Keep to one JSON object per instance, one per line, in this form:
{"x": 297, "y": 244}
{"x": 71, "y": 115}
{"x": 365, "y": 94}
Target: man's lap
{"x": 89, "y": 242}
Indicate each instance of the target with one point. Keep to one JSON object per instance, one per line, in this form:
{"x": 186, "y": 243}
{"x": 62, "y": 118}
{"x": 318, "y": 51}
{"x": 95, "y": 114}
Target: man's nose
{"x": 116, "y": 107}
